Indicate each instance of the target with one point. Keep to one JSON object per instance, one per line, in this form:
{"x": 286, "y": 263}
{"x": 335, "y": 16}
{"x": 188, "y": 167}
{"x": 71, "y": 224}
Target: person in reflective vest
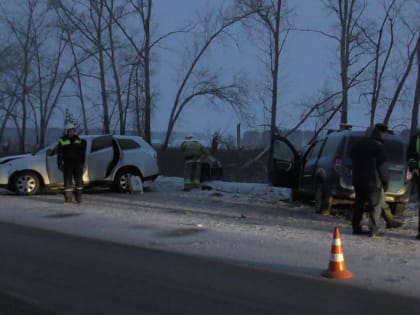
{"x": 413, "y": 156}
{"x": 193, "y": 152}
{"x": 71, "y": 152}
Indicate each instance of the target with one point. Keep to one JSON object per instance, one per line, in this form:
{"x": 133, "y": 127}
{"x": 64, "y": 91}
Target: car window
{"x": 331, "y": 145}
{"x": 281, "y": 151}
{"x": 101, "y": 143}
{"x": 350, "y": 142}
{"x": 314, "y": 150}
{"x": 395, "y": 151}
{"x": 128, "y": 144}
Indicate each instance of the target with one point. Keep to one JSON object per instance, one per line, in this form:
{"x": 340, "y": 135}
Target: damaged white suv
{"x": 110, "y": 161}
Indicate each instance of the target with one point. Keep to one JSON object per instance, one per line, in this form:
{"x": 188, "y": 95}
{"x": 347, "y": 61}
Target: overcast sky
{"x": 306, "y": 64}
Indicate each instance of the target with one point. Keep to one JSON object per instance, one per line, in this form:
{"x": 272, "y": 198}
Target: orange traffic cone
{"x": 336, "y": 267}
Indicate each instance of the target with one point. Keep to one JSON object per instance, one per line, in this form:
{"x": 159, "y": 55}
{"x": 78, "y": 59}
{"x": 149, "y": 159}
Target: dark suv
{"x": 323, "y": 171}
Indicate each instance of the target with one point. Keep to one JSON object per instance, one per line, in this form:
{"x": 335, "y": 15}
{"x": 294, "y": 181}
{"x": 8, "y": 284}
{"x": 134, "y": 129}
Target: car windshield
{"x": 395, "y": 151}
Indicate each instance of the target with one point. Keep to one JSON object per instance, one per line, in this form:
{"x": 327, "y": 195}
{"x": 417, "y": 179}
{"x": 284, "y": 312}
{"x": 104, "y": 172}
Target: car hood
{"x": 6, "y": 159}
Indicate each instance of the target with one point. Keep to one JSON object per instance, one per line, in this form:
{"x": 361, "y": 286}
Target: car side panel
{"x": 143, "y": 158}
{"x": 55, "y": 176}
{"x": 310, "y": 166}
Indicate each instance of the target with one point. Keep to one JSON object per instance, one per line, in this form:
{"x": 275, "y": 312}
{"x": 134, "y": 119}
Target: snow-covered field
{"x": 251, "y": 224}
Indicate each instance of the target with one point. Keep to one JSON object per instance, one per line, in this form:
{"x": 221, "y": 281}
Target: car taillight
{"x": 337, "y": 163}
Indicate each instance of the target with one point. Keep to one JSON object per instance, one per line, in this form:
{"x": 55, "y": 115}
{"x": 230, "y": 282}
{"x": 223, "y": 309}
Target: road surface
{"x": 73, "y": 275}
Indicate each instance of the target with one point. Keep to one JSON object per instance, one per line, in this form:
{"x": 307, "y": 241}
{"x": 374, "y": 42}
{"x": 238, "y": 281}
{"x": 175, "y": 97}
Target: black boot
{"x": 68, "y": 196}
{"x": 78, "y": 195}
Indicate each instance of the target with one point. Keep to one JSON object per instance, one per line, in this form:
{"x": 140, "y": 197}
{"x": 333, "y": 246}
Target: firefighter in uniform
{"x": 413, "y": 155}
{"x": 71, "y": 160}
{"x": 193, "y": 152}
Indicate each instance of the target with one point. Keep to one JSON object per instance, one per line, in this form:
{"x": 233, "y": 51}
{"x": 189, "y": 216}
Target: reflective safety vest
{"x": 68, "y": 142}
{"x": 192, "y": 149}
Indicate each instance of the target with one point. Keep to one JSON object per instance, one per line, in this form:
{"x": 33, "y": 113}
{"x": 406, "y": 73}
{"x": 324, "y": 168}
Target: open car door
{"x": 283, "y": 163}
{"x": 100, "y": 157}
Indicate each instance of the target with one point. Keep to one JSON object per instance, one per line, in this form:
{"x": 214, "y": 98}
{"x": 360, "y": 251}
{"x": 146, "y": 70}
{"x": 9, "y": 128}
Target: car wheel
{"x": 26, "y": 183}
{"x": 398, "y": 208}
{"x": 323, "y": 200}
{"x": 295, "y": 195}
{"x": 121, "y": 182}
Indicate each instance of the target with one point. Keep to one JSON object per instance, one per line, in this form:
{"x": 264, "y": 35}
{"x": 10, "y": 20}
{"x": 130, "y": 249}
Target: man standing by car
{"x": 193, "y": 152}
{"x": 370, "y": 176}
{"x": 413, "y": 155}
{"x": 71, "y": 153}
{"x": 386, "y": 213}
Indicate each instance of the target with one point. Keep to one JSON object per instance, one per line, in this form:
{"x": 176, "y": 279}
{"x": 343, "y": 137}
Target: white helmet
{"x": 69, "y": 126}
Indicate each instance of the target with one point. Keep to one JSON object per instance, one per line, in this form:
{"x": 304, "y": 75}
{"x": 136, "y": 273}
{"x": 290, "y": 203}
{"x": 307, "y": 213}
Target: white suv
{"x": 110, "y": 160}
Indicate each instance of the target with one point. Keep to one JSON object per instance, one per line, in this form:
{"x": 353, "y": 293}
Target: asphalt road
{"x": 71, "y": 275}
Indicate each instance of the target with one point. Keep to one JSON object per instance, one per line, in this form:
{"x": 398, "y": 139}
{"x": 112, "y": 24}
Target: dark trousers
{"x": 372, "y": 197}
{"x": 71, "y": 171}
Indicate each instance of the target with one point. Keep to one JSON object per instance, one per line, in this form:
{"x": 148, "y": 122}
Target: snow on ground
{"x": 251, "y": 224}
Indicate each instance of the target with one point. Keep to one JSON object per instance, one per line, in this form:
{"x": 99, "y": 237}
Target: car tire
{"x": 26, "y": 183}
{"x": 398, "y": 208}
{"x": 121, "y": 181}
{"x": 295, "y": 195}
{"x": 323, "y": 199}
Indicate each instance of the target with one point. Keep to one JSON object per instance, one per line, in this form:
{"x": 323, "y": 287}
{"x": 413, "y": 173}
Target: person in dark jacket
{"x": 413, "y": 156}
{"x": 71, "y": 153}
{"x": 386, "y": 214}
{"x": 370, "y": 177}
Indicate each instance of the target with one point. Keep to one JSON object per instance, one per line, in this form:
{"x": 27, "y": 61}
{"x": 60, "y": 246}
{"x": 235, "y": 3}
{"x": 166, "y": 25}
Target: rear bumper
{"x": 347, "y": 196}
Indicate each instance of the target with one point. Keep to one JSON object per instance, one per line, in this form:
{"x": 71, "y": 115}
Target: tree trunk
{"x": 416, "y": 101}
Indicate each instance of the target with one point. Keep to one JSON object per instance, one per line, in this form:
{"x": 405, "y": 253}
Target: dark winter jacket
{"x": 413, "y": 154}
{"x": 369, "y": 164}
{"x": 71, "y": 151}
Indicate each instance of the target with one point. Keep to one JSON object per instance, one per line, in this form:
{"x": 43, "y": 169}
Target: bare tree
{"x": 198, "y": 82}
{"x": 381, "y": 54}
{"x": 22, "y": 29}
{"x": 351, "y": 42}
{"x": 142, "y": 64}
{"x": 273, "y": 17}
{"x": 89, "y": 18}
{"x": 143, "y": 9}
{"x": 9, "y": 85}
{"x": 77, "y": 78}
{"x": 401, "y": 82}
{"x": 416, "y": 99}
{"x": 383, "y": 45}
